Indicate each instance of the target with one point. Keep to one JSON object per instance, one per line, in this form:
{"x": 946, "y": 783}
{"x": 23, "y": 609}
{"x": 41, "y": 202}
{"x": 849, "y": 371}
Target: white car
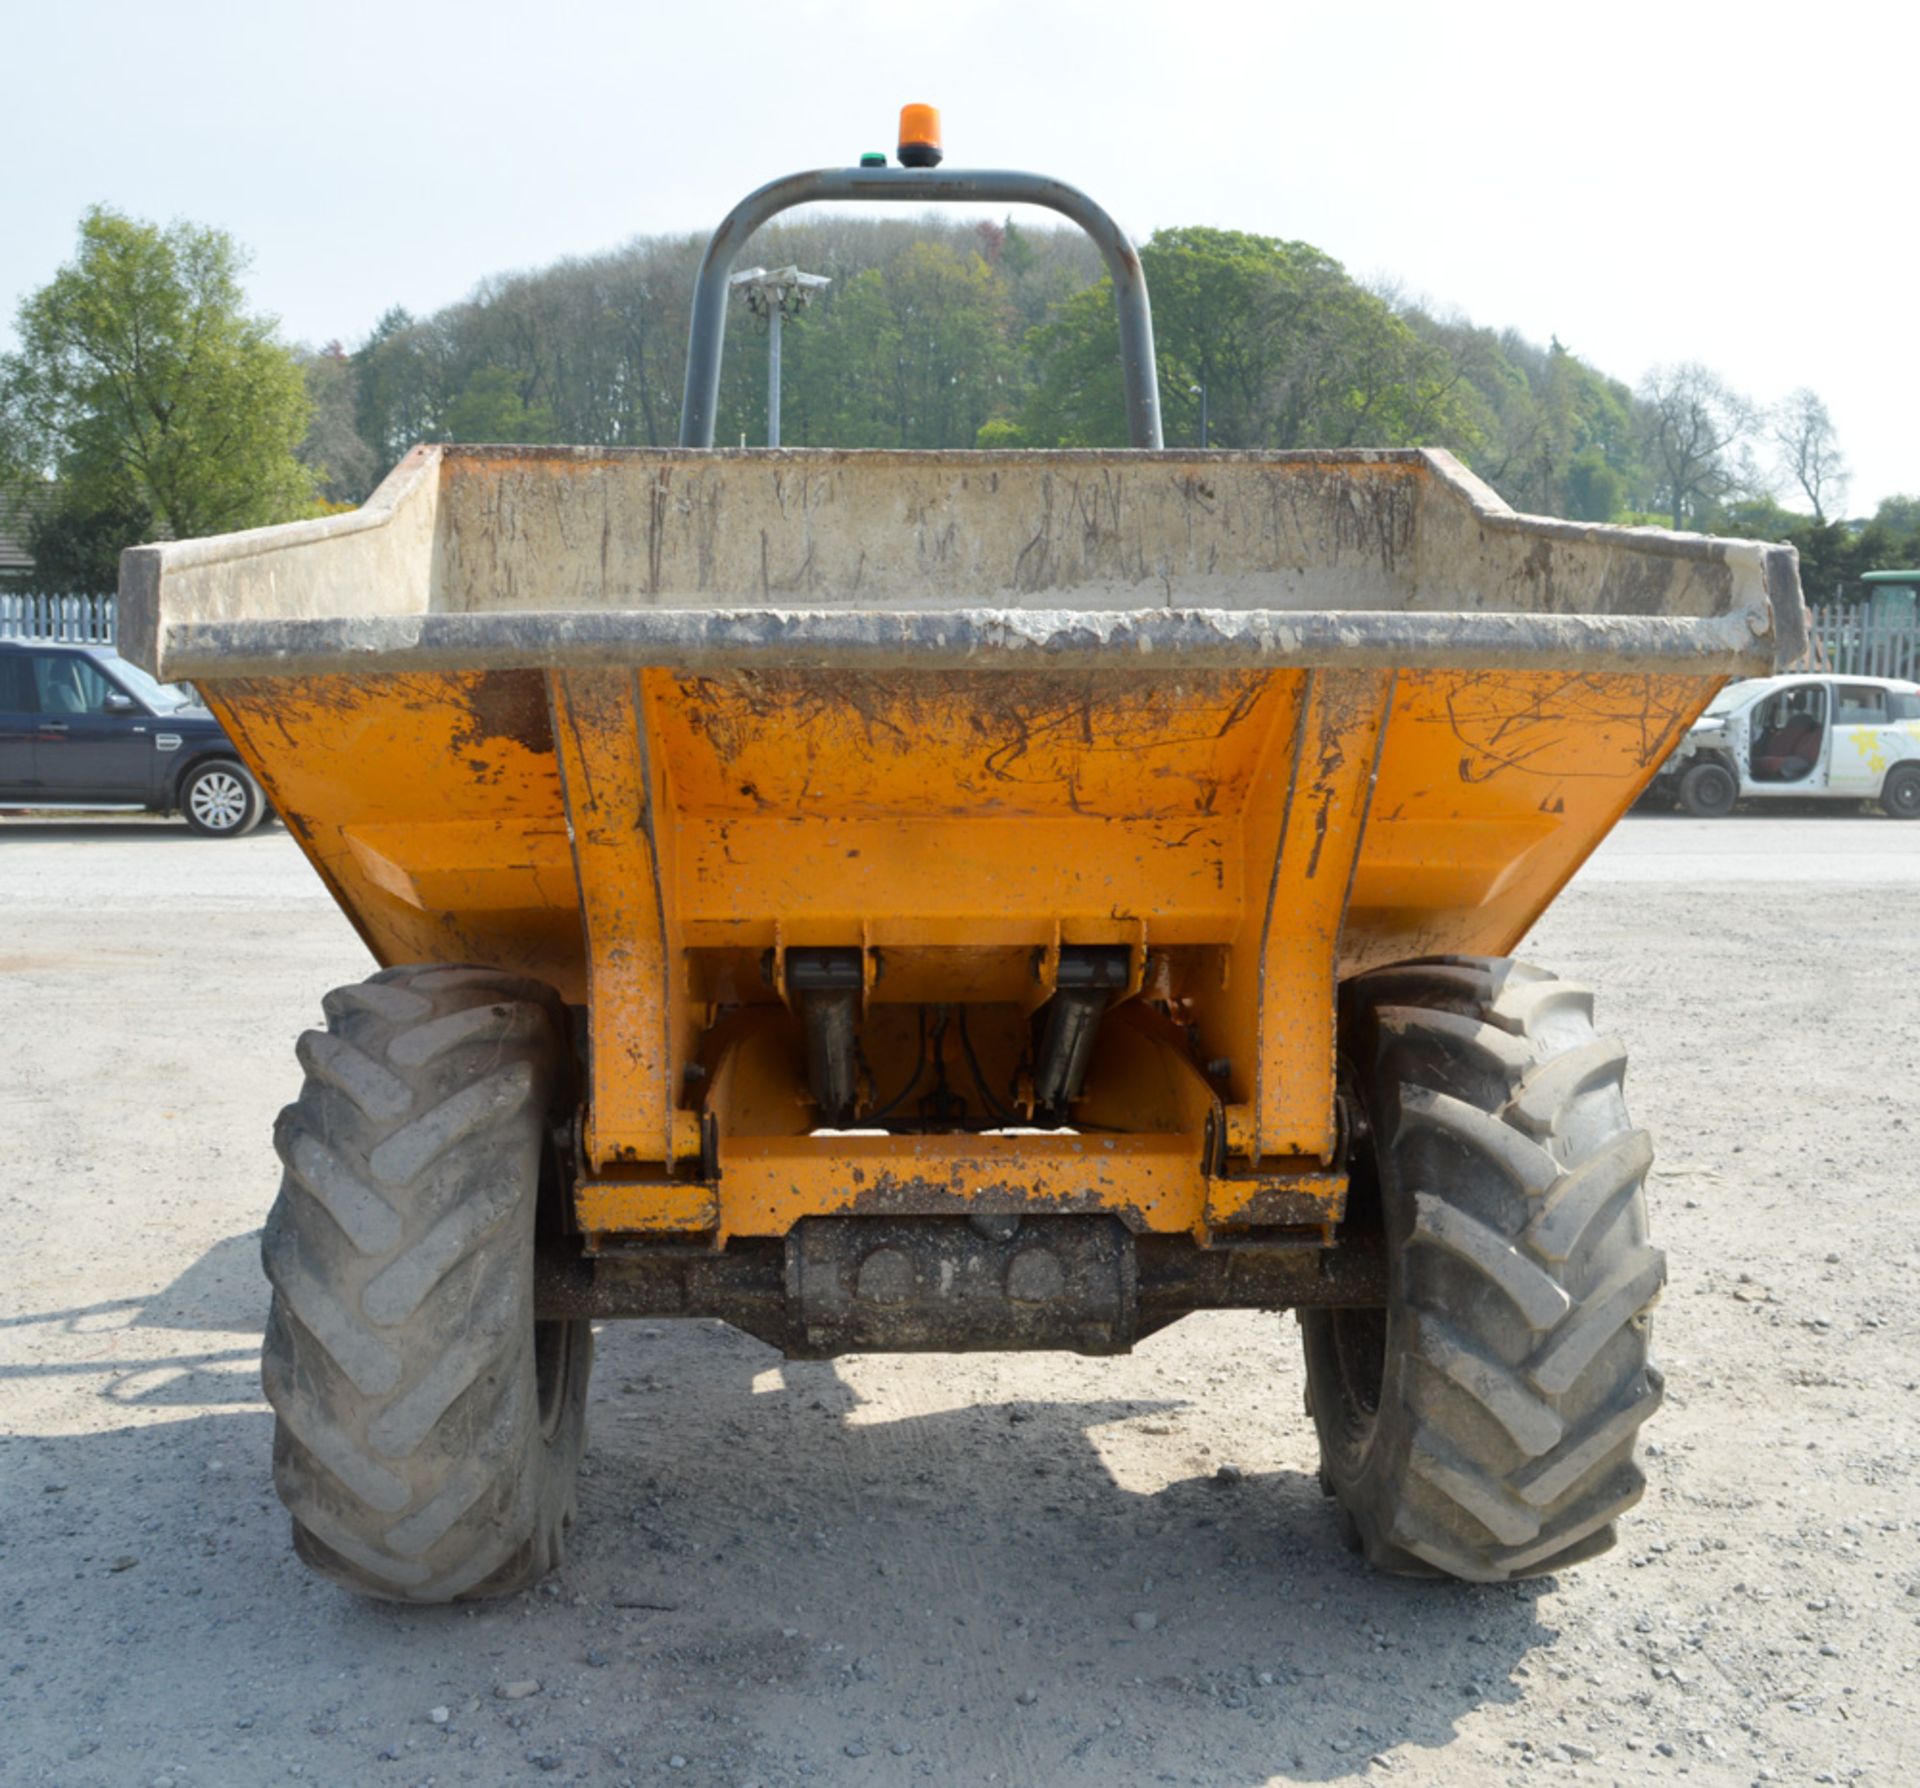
{"x": 1846, "y": 738}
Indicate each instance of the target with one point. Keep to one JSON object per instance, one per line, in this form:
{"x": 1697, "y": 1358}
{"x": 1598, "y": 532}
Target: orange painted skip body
{"x": 652, "y": 843}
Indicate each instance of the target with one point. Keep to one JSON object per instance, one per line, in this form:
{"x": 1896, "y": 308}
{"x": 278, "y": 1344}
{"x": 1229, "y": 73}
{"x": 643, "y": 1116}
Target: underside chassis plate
{"x": 1079, "y": 1284}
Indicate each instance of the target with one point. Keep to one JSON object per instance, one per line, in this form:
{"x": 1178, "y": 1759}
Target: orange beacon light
{"x": 920, "y": 137}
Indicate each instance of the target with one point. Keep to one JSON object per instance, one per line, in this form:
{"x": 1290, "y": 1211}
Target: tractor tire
{"x": 1900, "y": 793}
{"x": 1708, "y": 791}
{"x": 1482, "y": 1425}
{"x": 429, "y": 1430}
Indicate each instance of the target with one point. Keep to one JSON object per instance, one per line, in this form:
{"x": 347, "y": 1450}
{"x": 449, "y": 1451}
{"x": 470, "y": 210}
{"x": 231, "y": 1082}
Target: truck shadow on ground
{"x": 223, "y": 1292}
{"x": 979, "y": 1566}
{"x": 778, "y": 1581}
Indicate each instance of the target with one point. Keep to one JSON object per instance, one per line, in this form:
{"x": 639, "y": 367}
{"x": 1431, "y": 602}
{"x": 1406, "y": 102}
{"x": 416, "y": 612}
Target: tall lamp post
{"x": 782, "y": 293}
{"x": 1200, "y": 391}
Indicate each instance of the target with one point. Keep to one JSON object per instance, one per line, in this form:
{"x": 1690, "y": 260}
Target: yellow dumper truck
{"x": 973, "y": 900}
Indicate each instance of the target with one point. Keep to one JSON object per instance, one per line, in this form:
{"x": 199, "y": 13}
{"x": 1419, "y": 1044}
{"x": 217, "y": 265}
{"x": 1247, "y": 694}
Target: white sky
{"x": 1728, "y": 183}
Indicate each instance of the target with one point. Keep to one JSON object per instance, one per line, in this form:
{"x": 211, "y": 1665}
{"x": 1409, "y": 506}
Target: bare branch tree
{"x": 1810, "y": 450}
{"x": 1693, "y": 423}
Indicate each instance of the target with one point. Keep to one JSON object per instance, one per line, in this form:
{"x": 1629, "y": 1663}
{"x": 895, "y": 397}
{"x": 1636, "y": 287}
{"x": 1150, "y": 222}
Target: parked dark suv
{"x": 81, "y": 727}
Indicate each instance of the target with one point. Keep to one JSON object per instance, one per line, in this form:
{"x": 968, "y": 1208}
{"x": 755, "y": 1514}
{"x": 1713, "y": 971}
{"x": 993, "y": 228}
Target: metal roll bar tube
{"x": 953, "y": 186}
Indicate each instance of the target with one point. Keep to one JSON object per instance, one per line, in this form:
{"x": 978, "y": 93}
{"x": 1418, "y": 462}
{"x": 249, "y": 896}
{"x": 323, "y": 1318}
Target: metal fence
{"x": 87, "y": 620}
{"x": 1853, "y": 641}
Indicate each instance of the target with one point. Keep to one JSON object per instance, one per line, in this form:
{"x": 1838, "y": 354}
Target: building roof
{"x": 17, "y": 511}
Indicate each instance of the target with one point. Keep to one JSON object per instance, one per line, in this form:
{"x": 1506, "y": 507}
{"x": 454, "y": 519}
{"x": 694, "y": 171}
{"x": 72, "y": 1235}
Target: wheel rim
{"x": 218, "y": 800}
{"x": 1360, "y": 1358}
{"x": 1355, "y": 1354}
{"x": 555, "y": 1344}
{"x": 1905, "y": 797}
{"x": 1715, "y": 789}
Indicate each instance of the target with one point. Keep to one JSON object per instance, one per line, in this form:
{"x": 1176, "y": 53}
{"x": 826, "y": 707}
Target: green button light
{"x": 873, "y": 159}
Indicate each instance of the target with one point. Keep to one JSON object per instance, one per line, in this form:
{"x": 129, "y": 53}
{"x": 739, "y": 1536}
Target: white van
{"x": 1848, "y": 738}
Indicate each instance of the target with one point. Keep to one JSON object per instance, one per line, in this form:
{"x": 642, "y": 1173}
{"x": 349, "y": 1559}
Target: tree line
{"x": 158, "y": 404}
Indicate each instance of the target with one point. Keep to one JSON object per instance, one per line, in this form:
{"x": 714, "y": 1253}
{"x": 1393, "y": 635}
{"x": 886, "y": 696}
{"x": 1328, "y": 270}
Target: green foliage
{"x": 1834, "y": 555}
{"x": 1291, "y": 351}
{"x": 493, "y": 406}
{"x": 915, "y": 353}
{"x": 400, "y": 387}
{"x": 1555, "y": 436}
{"x": 76, "y": 540}
{"x": 931, "y": 334}
{"x": 341, "y": 462}
{"x": 918, "y": 351}
{"x": 941, "y": 334}
{"x": 1899, "y": 515}
{"x": 1594, "y": 489}
{"x": 144, "y": 386}
{"x": 1001, "y": 434}
{"x": 1078, "y": 399}
{"x": 1761, "y": 517}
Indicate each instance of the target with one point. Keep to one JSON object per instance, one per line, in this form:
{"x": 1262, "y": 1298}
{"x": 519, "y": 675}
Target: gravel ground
{"x": 990, "y": 1569}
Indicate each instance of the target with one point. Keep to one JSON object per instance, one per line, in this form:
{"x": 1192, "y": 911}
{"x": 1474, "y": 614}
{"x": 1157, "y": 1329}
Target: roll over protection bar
{"x": 949, "y": 186}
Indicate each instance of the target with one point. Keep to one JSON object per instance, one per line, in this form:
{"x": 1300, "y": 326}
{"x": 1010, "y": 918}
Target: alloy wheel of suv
{"x": 221, "y": 800}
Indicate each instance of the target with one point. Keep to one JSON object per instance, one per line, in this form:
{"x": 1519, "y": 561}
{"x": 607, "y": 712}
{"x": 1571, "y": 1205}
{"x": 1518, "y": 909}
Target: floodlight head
{"x": 792, "y": 276}
{"x": 785, "y": 289}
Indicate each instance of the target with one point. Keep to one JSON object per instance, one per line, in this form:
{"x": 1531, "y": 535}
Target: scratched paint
{"x": 1248, "y": 836}
{"x": 914, "y": 745}
{"x": 645, "y": 721}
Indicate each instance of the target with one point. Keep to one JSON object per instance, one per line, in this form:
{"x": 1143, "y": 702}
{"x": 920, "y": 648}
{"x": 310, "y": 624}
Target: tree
{"x": 492, "y": 406}
{"x": 144, "y": 386}
{"x": 75, "y": 540}
{"x": 1594, "y": 489}
{"x": 1693, "y": 426}
{"x": 1558, "y": 439}
{"x": 1899, "y": 515}
{"x": 1759, "y": 517}
{"x": 936, "y": 332}
{"x": 1810, "y": 451}
{"x": 400, "y": 386}
{"x": 341, "y": 462}
{"x": 1291, "y": 351}
{"x": 917, "y": 352}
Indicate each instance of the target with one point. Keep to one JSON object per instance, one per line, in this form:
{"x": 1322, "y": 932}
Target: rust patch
{"x": 891, "y": 1194}
{"x": 510, "y": 705}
